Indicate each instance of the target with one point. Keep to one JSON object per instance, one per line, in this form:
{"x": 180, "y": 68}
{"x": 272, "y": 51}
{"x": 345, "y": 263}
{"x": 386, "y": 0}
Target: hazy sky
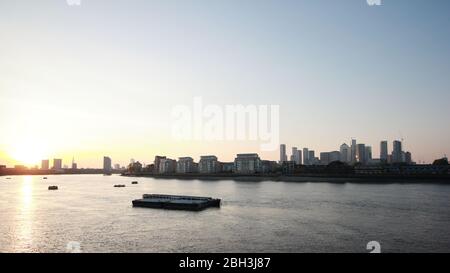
{"x": 102, "y": 78}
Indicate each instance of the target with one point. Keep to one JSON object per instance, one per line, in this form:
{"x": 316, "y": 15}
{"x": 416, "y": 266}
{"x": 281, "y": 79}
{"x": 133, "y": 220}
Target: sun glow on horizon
{"x": 27, "y": 153}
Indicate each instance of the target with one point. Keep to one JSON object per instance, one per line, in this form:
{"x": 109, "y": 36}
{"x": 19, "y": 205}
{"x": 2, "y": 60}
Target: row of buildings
{"x": 209, "y": 164}
{"x": 355, "y": 153}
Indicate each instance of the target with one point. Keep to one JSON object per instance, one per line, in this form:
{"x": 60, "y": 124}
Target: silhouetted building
{"x": 57, "y": 164}
{"x": 368, "y": 154}
{"x": 305, "y": 156}
{"x": 384, "y": 151}
{"x": 397, "y": 152}
{"x": 361, "y": 153}
{"x": 45, "y": 165}
{"x": 345, "y": 153}
{"x": 107, "y": 167}
{"x": 353, "y": 152}
{"x": 283, "y": 155}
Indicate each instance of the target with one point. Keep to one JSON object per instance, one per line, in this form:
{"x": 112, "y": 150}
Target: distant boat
{"x": 134, "y": 182}
{"x": 119, "y": 186}
{"x": 44, "y": 177}
{"x": 52, "y": 188}
{"x": 8, "y": 178}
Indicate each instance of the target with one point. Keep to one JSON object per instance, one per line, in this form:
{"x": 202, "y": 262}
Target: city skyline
{"x": 76, "y": 85}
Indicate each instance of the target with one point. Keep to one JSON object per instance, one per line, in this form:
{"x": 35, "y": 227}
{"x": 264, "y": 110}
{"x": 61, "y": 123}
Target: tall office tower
{"x": 311, "y": 157}
{"x": 345, "y": 153}
{"x": 361, "y": 153}
{"x": 305, "y": 156}
{"x": 384, "y": 151}
{"x": 294, "y": 156}
{"x": 300, "y": 160}
{"x": 74, "y": 164}
{"x": 397, "y": 152}
{"x": 283, "y": 155}
{"x": 45, "y": 164}
{"x": 107, "y": 164}
{"x": 368, "y": 154}
{"x": 353, "y": 151}
{"x": 57, "y": 164}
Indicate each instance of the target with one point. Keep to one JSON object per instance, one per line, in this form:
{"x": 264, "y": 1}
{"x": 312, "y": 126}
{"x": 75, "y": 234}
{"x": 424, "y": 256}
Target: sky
{"x": 102, "y": 78}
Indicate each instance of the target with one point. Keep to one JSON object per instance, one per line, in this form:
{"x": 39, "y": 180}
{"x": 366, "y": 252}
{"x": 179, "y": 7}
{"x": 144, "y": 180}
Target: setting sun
{"x": 27, "y": 153}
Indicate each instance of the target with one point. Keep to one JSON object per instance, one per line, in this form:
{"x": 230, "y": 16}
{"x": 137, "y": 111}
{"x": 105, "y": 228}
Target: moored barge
{"x": 176, "y": 202}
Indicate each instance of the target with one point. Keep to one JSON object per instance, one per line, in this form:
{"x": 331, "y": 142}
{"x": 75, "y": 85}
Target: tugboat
{"x": 52, "y": 188}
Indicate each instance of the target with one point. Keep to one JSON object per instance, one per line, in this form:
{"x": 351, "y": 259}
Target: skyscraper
{"x": 353, "y": 151}
{"x": 345, "y": 153}
{"x": 283, "y": 155}
{"x": 311, "y": 157}
{"x": 368, "y": 154}
{"x": 384, "y": 151}
{"x": 57, "y": 164}
{"x": 294, "y": 154}
{"x": 361, "y": 153}
{"x": 305, "y": 156}
{"x": 45, "y": 164}
{"x": 107, "y": 167}
{"x": 397, "y": 152}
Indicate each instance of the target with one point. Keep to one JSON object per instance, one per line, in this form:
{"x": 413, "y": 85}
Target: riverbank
{"x": 303, "y": 178}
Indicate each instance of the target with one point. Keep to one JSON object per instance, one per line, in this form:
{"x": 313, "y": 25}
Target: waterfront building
{"x": 361, "y": 153}
{"x": 305, "y": 156}
{"x": 345, "y": 153}
{"x": 325, "y": 158}
{"x": 311, "y": 157}
{"x": 368, "y": 154}
{"x": 45, "y": 165}
{"x": 247, "y": 163}
{"x": 353, "y": 153}
{"x": 283, "y": 155}
{"x": 157, "y": 162}
{"x": 408, "y": 158}
{"x": 57, "y": 164}
{"x": 397, "y": 152}
{"x": 268, "y": 166}
{"x": 227, "y": 167}
{"x": 335, "y": 156}
{"x": 107, "y": 166}
{"x": 208, "y": 164}
{"x": 185, "y": 165}
{"x": 167, "y": 166}
{"x": 384, "y": 151}
{"x": 296, "y": 156}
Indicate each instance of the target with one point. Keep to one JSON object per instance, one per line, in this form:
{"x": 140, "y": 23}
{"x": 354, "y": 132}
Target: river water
{"x": 254, "y": 217}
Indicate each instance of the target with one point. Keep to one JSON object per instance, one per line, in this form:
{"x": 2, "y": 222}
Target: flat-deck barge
{"x": 176, "y": 202}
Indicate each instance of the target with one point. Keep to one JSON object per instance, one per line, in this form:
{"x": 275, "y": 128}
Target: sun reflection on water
{"x": 24, "y": 228}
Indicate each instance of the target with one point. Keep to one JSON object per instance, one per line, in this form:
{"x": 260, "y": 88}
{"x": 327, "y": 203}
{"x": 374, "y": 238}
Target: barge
{"x": 176, "y": 202}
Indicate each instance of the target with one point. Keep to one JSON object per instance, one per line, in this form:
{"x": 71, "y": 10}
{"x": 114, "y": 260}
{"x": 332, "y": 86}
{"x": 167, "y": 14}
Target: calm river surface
{"x": 254, "y": 217}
